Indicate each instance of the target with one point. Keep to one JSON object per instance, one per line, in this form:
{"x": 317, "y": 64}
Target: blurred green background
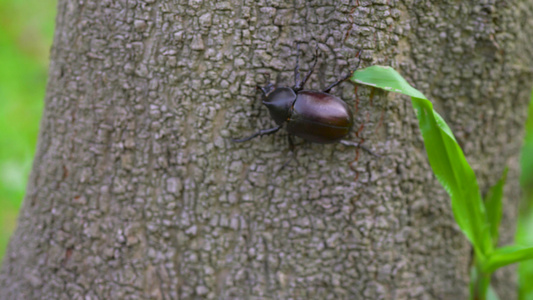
{"x": 26, "y": 31}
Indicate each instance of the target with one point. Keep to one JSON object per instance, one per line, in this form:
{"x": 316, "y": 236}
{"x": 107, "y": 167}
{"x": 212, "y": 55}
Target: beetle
{"x": 315, "y": 116}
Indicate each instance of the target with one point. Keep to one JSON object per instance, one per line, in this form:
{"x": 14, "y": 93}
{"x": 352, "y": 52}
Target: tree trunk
{"x": 137, "y": 191}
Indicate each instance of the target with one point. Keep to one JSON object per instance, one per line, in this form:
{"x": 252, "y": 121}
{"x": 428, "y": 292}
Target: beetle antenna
{"x": 297, "y": 67}
{"x": 310, "y": 71}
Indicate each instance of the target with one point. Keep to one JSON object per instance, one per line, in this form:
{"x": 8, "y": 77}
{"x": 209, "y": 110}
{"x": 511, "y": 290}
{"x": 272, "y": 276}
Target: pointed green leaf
{"x": 507, "y": 255}
{"x": 445, "y": 157}
{"x": 385, "y": 78}
{"x": 493, "y": 205}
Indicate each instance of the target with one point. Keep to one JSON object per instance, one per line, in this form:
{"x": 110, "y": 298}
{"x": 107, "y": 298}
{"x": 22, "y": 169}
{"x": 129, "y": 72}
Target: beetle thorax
{"x": 279, "y": 103}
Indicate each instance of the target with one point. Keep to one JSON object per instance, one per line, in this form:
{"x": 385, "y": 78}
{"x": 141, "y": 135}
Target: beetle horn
{"x": 268, "y": 87}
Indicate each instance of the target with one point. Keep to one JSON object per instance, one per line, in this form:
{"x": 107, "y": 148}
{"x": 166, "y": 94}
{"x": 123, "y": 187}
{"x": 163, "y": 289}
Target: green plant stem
{"x": 481, "y": 284}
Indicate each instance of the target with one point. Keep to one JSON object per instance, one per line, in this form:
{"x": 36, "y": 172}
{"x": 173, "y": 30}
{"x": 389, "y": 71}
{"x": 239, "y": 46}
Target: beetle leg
{"x": 358, "y": 145}
{"x": 301, "y": 86}
{"x": 326, "y": 90}
{"x": 259, "y": 133}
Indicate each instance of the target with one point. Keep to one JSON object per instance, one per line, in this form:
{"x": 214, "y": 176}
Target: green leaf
{"x": 507, "y": 255}
{"x": 385, "y": 78}
{"x": 445, "y": 157}
{"x": 525, "y": 218}
{"x": 493, "y": 205}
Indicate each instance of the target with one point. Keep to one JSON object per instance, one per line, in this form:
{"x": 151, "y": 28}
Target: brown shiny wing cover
{"x": 319, "y": 117}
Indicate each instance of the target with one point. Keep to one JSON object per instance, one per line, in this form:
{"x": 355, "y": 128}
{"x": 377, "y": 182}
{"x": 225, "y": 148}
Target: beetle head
{"x": 279, "y": 102}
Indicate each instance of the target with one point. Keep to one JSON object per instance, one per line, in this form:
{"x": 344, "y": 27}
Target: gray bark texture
{"x": 137, "y": 191}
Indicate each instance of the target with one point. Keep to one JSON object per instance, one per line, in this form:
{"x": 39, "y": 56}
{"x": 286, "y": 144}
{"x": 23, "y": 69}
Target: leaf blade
{"x": 507, "y": 255}
{"x": 445, "y": 156}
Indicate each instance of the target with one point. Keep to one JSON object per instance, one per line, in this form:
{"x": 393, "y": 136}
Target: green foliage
{"x": 493, "y": 203}
{"x": 507, "y": 255}
{"x": 525, "y": 269}
{"x": 526, "y": 159}
{"x": 525, "y": 219}
{"x": 26, "y": 29}
{"x": 479, "y": 221}
{"x": 445, "y": 157}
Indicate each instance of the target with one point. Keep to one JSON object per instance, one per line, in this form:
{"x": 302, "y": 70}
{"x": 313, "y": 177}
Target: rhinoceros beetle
{"x": 315, "y": 116}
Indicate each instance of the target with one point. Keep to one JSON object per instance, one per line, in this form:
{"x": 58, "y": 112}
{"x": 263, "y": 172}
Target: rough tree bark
{"x": 137, "y": 192}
